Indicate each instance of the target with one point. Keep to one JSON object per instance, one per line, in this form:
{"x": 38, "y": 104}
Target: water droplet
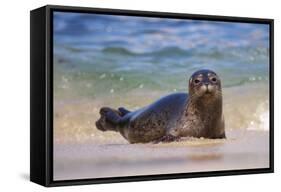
{"x": 64, "y": 79}
{"x": 103, "y": 76}
{"x": 141, "y": 86}
{"x": 252, "y": 78}
{"x": 88, "y": 85}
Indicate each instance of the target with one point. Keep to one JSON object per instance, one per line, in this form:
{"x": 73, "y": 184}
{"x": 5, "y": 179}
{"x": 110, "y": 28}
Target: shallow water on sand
{"x": 244, "y": 108}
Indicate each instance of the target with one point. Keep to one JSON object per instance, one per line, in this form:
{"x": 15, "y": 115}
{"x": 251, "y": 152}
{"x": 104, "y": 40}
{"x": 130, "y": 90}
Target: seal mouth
{"x": 208, "y": 92}
{"x": 209, "y": 89}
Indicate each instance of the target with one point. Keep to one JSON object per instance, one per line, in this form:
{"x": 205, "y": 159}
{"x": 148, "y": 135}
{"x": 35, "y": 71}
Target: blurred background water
{"x": 131, "y": 61}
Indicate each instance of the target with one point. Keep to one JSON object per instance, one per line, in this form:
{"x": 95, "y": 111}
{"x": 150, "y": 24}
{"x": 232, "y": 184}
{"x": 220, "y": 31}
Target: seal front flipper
{"x": 123, "y": 111}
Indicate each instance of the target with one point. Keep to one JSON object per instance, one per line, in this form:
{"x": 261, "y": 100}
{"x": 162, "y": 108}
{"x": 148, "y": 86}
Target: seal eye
{"x": 196, "y": 81}
{"x": 214, "y": 79}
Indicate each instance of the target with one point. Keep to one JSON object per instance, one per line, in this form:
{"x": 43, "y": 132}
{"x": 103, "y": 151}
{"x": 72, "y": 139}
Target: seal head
{"x": 205, "y": 83}
{"x": 203, "y": 116}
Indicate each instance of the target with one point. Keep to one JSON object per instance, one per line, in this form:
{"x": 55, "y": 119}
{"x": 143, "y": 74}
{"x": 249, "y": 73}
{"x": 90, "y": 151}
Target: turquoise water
{"x": 123, "y": 53}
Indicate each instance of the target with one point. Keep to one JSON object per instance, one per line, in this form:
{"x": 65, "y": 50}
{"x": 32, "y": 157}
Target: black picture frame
{"x": 41, "y": 95}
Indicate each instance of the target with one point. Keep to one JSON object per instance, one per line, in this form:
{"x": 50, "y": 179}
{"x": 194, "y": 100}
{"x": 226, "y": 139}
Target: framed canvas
{"x": 124, "y": 95}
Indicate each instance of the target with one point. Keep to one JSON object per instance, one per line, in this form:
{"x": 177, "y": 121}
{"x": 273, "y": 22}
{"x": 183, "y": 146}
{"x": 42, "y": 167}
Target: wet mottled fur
{"x": 198, "y": 114}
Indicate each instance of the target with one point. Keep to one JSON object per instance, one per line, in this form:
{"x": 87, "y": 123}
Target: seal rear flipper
{"x": 123, "y": 111}
{"x": 113, "y": 117}
{"x": 105, "y": 110}
{"x": 108, "y": 120}
{"x": 100, "y": 125}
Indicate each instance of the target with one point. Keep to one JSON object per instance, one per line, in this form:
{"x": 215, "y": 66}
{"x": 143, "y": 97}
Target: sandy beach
{"x": 241, "y": 150}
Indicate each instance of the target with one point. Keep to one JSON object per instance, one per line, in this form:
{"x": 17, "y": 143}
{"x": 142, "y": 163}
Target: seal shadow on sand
{"x": 209, "y": 149}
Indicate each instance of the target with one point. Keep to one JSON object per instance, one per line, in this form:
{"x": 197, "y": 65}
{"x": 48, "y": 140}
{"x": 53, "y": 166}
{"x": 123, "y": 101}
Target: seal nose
{"x": 207, "y": 86}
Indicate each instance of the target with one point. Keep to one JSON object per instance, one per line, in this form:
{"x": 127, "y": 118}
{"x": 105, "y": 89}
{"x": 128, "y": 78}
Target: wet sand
{"x": 243, "y": 149}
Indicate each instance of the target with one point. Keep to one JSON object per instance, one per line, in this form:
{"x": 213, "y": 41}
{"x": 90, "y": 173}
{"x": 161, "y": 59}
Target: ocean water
{"x": 102, "y": 60}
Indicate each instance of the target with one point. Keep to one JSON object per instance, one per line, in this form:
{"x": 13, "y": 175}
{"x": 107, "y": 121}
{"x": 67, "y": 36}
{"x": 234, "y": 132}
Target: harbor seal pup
{"x": 197, "y": 114}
